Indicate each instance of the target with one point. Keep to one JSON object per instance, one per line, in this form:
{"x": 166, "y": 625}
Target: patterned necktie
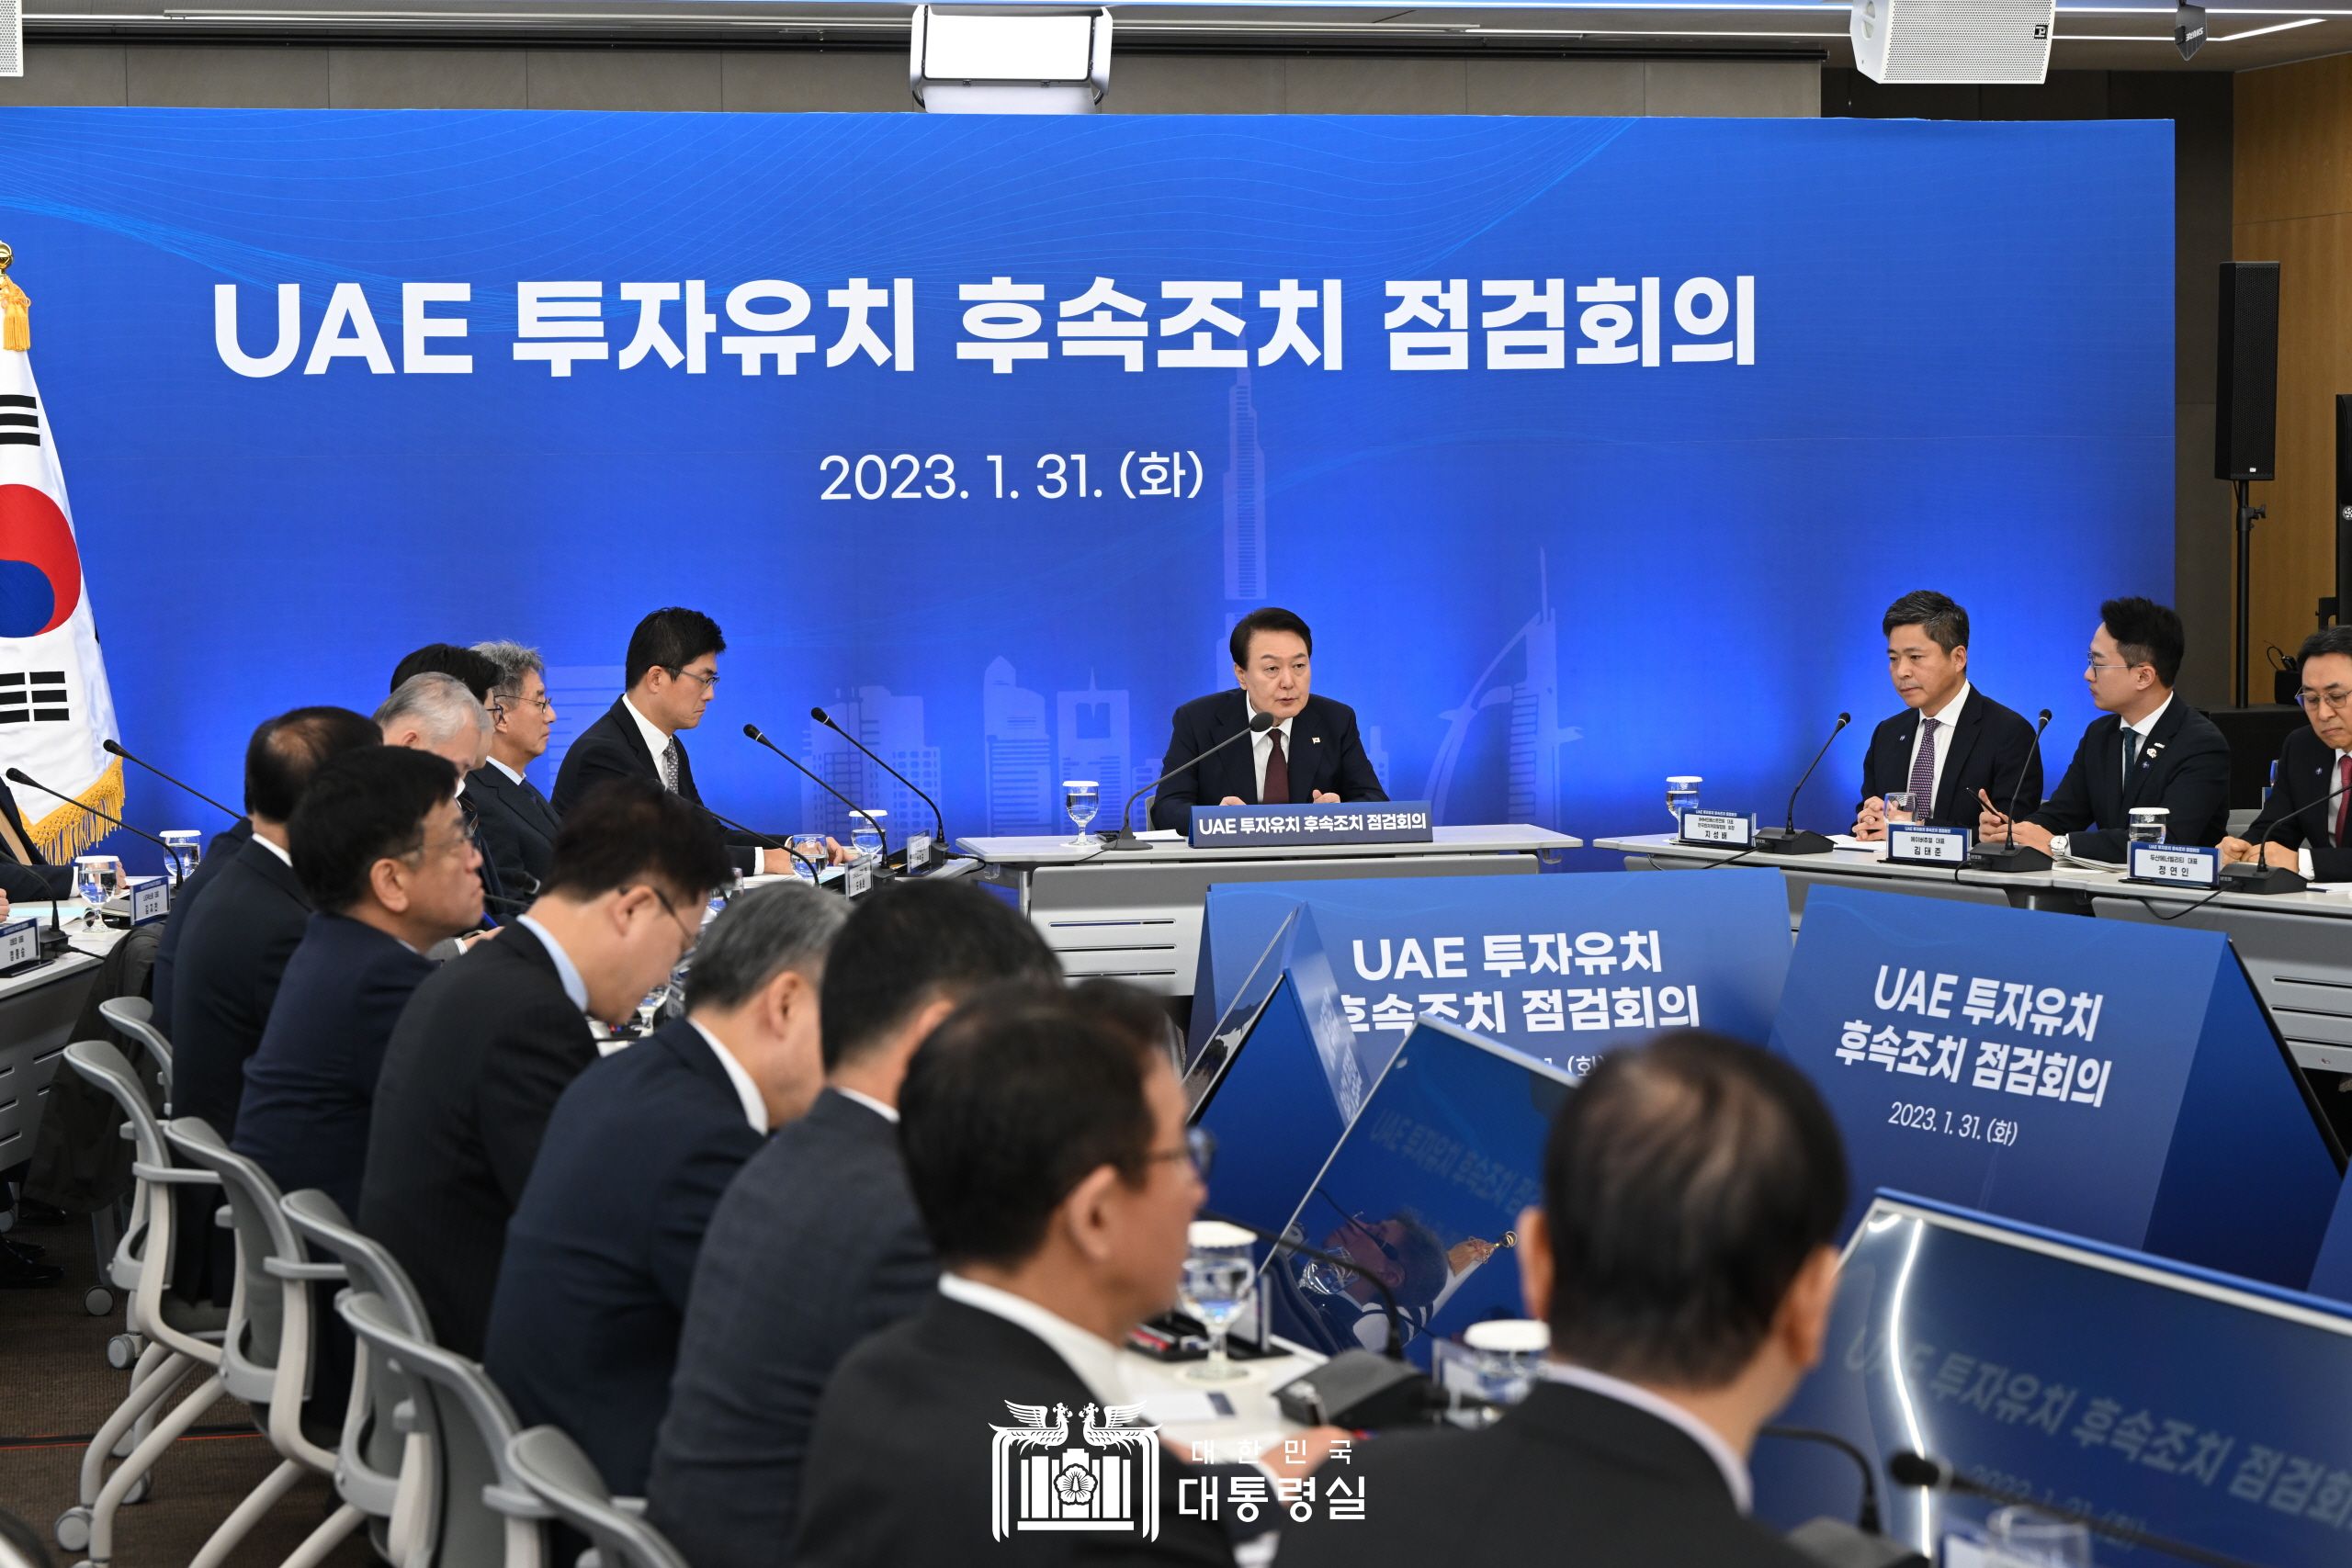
{"x": 669, "y": 766}
{"x": 1923, "y": 773}
{"x": 2343, "y": 800}
{"x": 1277, "y": 790}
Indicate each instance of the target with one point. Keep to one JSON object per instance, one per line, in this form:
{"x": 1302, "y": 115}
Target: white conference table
{"x": 1134, "y": 915}
{"x": 2296, "y": 946}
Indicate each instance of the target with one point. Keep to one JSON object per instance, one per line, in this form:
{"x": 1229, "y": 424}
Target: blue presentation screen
{"x": 982, "y": 430}
{"x": 2200, "y": 1407}
{"x": 1426, "y": 1190}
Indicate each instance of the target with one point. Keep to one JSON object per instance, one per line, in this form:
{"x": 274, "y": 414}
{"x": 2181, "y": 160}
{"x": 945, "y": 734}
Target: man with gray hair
{"x": 592, "y": 1291}
{"x": 517, "y": 824}
{"x": 438, "y": 713}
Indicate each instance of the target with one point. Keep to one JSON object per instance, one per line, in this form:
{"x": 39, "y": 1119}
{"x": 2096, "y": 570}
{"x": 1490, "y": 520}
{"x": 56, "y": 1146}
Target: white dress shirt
{"x": 756, "y": 1110}
{"x": 274, "y": 847}
{"x": 1261, "y": 749}
{"x": 1734, "y": 1467}
{"x": 888, "y": 1112}
{"x": 574, "y": 986}
{"x": 657, "y": 740}
{"x": 1094, "y": 1359}
{"x": 512, "y": 777}
{"x": 1946, "y": 718}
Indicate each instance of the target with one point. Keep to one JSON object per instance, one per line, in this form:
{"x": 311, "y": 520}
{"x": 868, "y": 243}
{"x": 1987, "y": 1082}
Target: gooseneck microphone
{"x": 753, "y": 732}
{"x": 1127, "y": 839}
{"x": 938, "y": 823}
{"x": 1906, "y": 1469}
{"x": 2259, "y": 877}
{"x": 179, "y": 872}
{"x": 114, "y": 750}
{"x": 2007, "y": 857}
{"x": 1788, "y": 839}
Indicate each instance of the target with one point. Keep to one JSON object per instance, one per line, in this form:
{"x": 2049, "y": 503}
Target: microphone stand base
{"x": 2263, "y": 879}
{"x": 1125, "y": 838}
{"x": 2008, "y": 860}
{"x": 1793, "y": 842}
{"x": 1836, "y": 1544}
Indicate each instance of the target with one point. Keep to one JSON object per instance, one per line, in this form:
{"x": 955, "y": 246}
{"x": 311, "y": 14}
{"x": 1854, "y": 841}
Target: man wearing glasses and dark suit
{"x": 2300, "y": 828}
{"x": 517, "y": 822}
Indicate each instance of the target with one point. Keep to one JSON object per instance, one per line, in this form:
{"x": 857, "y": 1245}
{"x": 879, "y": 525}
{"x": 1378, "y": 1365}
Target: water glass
{"x": 97, "y": 876}
{"x": 1219, "y": 1270}
{"x": 1508, "y": 1355}
{"x": 188, "y": 844}
{"x": 2027, "y": 1535}
{"x": 1682, "y": 794}
{"x": 649, "y": 1011}
{"x": 810, "y": 849}
{"x": 1898, "y": 805}
{"x": 866, "y": 836}
{"x": 1081, "y": 798}
{"x": 2148, "y": 824}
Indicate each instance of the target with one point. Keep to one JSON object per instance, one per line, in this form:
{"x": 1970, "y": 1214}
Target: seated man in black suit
{"x": 583, "y": 1332}
{"x": 1313, "y": 754}
{"x": 516, "y": 822}
{"x": 25, "y": 874}
{"x": 1046, "y": 1146}
{"x": 492, "y": 1040}
{"x": 382, "y": 852}
{"x": 1686, "y": 1258}
{"x": 2152, "y": 749}
{"x": 235, "y": 943}
{"x": 439, "y": 713}
{"x": 671, "y": 676}
{"x": 817, "y": 1243}
{"x": 218, "y": 854}
{"x": 1952, "y": 739}
{"x": 2302, "y": 826}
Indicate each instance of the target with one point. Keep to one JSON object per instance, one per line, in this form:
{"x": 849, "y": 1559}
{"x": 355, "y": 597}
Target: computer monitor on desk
{"x": 2196, "y": 1405}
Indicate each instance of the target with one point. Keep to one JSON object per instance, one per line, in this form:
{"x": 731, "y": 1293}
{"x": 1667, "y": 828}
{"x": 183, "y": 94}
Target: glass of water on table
{"x": 1081, "y": 798}
{"x": 1682, "y": 795}
{"x": 1900, "y": 808}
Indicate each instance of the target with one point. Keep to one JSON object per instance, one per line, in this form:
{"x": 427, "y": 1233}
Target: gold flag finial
{"x": 15, "y": 311}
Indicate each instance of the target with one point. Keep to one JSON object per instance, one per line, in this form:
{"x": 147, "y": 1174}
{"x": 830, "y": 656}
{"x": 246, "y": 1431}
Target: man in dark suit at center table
{"x": 2150, "y": 750}
{"x": 817, "y": 1243}
{"x": 1686, "y": 1259}
{"x": 2300, "y": 826}
{"x": 671, "y": 676}
{"x": 583, "y": 1332}
{"x": 1312, "y": 754}
{"x": 492, "y": 1040}
{"x": 518, "y": 823}
{"x": 1952, "y": 739}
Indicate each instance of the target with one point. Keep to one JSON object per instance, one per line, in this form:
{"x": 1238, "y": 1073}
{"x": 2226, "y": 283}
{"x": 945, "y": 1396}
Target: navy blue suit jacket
{"x": 2185, "y": 767}
{"x": 614, "y": 747}
{"x": 515, "y": 825}
{"x": 2299, "y": 809}
{"x": 217, "y": 855}
{"x": 1990, "y": 747}
{"x": 591, "y": 1294}
{"x": 1325, "y": 754}
{"x": 232, "y": 958}
{"x": 310, "y": 1086}
{"x": 816, "y": 1246}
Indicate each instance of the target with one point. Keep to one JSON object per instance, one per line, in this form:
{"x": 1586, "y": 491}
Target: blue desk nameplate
{"x": 148, "y": 896}
{"x": 1303, "y": 827}
{"x": 2175, "y": 865}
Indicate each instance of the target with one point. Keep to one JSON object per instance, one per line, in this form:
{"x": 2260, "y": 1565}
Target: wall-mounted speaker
{"x": 1954, "y": 40}
{"x": 2246, "y": 401}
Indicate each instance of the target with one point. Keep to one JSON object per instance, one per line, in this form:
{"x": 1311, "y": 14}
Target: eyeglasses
{"x": 2336, "y": 699}
{"x": 500, "y": 705}
{"x": 693, "y": 933}
{"x": 1200, "y": 1147}
{"x": 709, "y": 678}
{"x": 2096, "y": 665}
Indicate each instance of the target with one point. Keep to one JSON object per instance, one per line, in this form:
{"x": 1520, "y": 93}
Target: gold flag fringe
{"x": 16, "y": 331}
{"x": 68, "y": 831}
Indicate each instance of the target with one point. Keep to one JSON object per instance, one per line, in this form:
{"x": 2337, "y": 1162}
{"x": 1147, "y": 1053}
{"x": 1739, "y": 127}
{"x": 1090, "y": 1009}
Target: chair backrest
{"x": 135, "y": 1017}
{"x": 259, "y": 1337}
{"x": 153, "y": 1165}
{"x": 487, "y": 1513}
{"x": 567, "y": 1480}
{"x": 372, "y": 1444}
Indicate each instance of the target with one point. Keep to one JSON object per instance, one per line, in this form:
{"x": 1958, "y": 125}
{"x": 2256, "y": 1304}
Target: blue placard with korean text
{"x": 150, "y": 898}
{"x": 1560, "y": 967}
{"x": 1305, "y": 827}
{"x": 2114, "y": 1080}
{"x": 2199, "y": 1406}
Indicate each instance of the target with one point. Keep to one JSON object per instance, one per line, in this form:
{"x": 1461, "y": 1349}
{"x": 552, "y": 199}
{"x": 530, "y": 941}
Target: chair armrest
{"x": 633, "y": 1507}
{"x": 278, "y": 1269}
{"x": 173, "y": 1175}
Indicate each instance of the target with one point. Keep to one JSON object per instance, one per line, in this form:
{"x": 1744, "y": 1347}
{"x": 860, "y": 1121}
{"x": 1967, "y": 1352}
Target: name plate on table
{"x": 1914, "y": 843}
{"x": 150, "y": 898}
{"x": 919, "y": 847}
{"x": 859, "y": 878}
{"x": 19, "y": 945}
{"x": 1719, "y": 829}
{"x": 1302, "y": 827}
{"x": 2175, "y": 865}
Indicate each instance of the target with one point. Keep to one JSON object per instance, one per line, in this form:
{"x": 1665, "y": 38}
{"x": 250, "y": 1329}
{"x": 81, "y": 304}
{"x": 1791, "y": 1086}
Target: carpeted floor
{"x": 55, "y": 1389}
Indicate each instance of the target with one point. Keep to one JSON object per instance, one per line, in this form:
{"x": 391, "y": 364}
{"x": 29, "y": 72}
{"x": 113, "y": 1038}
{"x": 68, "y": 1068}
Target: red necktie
{"x": 1277, "y": 790}
{"x": 2343, "y": 801}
